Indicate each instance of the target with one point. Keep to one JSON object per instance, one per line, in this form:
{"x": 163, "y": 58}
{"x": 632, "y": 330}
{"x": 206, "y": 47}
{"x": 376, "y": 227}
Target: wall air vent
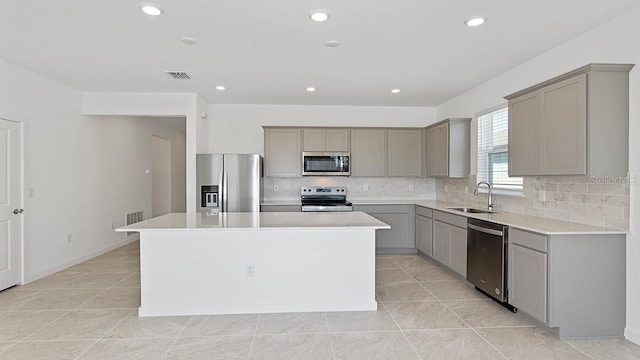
{"x": 178, "y": 75}
{"x": 132, "y": 218}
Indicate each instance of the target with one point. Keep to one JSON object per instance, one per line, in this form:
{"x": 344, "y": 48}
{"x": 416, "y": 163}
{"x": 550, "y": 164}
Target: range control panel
{"x": 323, "y": 190}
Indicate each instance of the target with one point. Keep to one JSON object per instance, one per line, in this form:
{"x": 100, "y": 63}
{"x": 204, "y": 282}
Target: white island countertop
{"x": 257, "y": 221}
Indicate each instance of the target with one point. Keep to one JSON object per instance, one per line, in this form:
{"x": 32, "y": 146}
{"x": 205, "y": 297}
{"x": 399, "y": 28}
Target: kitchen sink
{"x": 472, "y": 210}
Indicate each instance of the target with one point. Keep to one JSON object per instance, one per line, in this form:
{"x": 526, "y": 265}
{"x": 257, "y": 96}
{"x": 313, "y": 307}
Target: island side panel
{"x": 186, "y": 272}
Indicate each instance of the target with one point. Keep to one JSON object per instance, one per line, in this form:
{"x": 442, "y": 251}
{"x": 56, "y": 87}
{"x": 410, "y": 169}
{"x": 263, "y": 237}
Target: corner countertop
{"x": 531, "y": 223}
{"x": 256, "y": 221}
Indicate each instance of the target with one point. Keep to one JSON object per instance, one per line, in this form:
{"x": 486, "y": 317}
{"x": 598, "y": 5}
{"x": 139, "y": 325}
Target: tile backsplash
{"x": 582, "y": 199}
{"x": 377, "y": 188}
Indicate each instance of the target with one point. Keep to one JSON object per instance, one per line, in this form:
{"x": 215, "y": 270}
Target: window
{"x": 493, "y": 153}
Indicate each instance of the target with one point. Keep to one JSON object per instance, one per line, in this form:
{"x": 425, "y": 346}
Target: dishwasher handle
{"x": 484, "y": 230}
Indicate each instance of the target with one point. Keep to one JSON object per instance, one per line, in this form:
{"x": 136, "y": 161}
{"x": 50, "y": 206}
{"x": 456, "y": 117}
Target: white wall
{"x": 86, "y": 172}
{"x": 614, "y": 42}
{"x": 238, "y": 128}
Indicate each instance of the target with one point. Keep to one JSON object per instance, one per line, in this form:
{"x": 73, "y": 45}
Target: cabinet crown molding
{"x": 584, "y": 69}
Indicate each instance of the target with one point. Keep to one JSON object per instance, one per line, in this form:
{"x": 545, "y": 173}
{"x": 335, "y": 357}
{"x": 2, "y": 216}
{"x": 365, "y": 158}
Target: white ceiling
{"x": 268, "y": 51}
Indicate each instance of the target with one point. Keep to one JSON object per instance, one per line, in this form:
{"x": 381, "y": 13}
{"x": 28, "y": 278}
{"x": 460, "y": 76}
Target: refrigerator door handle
{"x": 221, "y": 196}
{"x": 225, "y": 197}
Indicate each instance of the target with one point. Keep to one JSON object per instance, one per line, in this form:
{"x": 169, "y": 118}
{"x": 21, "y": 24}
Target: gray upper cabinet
{"x": 524, "y": 129}
{"x": 368, "y": 152}
{"x": 282, "y": 152}
{"x": 320, "y": 139}
{"x": 405, "y": 152}
{"x": 448, "y": 148}
{"x": 574, "y": 124}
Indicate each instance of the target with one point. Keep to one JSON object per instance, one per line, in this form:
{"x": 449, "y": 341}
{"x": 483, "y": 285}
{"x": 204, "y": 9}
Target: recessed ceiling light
{"x": 221, "y": 87}
{"x": 151, "y": 9}
{"x": 311, "y": 89}
{"x": 189, "y": 40}
{"x": 319, "y": 15}
{"x": 395, "y": 91}
{"x": 475, "y": 21}
{"x": 333, "y": 43}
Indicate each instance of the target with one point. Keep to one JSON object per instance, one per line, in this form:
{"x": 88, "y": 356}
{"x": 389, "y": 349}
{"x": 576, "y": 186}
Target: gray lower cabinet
{"x": 280, "y": 208}
{"x": 572, "y": 283}
{"x": 424, "y": 230}
{"x": 450, "y": 241}
{"x": 528, "y": 281}
{"x": 401, "y": 237}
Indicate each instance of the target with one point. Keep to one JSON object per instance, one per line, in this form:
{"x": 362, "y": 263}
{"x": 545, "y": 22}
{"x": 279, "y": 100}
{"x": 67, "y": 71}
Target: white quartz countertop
{"x": 525, "y": 222}
{"x": 257, "y": 221}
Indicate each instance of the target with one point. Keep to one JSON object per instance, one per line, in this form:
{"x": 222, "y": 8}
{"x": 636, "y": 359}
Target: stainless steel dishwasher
{"x": 487, "y": 258}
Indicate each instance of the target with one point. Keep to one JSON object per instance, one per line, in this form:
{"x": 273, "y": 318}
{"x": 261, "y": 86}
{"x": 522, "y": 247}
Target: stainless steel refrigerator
{"x": 229, "y": 182}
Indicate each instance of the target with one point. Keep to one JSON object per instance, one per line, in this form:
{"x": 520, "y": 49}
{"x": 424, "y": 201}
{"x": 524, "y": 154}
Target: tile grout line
{"x": 476, "y": 331}
{"x": 253, "y": 338}
{"x": 579, "y": 350}
{"x": 454, "y": 313}
{"x": 326, "y": 322}
{"x": 401, "y": 331}
{"x": 191, "y": 318}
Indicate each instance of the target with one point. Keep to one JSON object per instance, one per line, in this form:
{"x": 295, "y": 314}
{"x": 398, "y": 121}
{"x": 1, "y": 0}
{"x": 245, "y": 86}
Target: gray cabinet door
{"x": 424, "y": 234}
{"x": 405, "y": 152}
{"x": 368, "y": 152}
{"x": 458, "y": 239}
{"x": 438, "y": 150}
{"x": 527, "y": 281}
{"x": 524, "y": 135}
{"x": 313, "y": 139}
{"x": 280, "y": 208}
{"x": 398, "y": 236}
{"x": 563, "y": 120}
{"x": 441, "y": 242}
{"x": 282, "y": 152}
{"x": 337, "y": 140}
{"x": 325, "y": 139}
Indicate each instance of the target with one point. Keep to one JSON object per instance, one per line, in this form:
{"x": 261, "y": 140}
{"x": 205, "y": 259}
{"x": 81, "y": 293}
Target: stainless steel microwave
{"x": 325, "y": 163}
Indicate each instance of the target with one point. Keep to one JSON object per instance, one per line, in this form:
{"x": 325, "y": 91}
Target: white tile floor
{"x": 425, "y": 312}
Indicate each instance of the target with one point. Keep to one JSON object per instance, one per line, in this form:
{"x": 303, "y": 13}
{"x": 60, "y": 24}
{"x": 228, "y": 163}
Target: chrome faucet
{"x": 489, "y": 202}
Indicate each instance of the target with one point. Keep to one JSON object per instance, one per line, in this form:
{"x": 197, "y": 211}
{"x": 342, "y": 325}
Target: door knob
{"x": 17, "y": 211}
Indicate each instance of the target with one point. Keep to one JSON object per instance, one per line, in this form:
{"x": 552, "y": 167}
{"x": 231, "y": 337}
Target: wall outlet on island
{"x": 250, "y": 269}
{"x": 410, "y": 187}
{"x": 365, "y": 187}
{"x": 275, "y": 188}
{"x": 68, "y": 237}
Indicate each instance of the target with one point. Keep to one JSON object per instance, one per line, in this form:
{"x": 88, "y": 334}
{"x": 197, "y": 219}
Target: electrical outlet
{"x": 276, "y": 188}
{"x": 31, "y": 193}
{"x": 68, "y": 237}
{"x": 113, "y": 226}
{"x": 446, "y": 188}
{"x": 365, "y": 187}
{"x": 410, "y": 187}
{"x": 466, "y": 189}
{"x": 541, "y": 196}
{"x": 250, "y": 270}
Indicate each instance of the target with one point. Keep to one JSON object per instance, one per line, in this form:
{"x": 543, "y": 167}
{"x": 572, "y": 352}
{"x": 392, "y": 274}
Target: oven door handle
{"x": 484, "y": 230}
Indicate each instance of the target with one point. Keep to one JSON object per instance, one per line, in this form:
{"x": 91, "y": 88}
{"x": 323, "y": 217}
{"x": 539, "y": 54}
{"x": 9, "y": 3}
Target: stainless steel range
{"x": 325, "y": 198}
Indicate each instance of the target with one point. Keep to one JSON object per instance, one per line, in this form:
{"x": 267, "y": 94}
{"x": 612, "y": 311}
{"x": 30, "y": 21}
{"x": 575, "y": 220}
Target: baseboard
{"x": 632, "y": 335}
{"x": 76, "y": 261}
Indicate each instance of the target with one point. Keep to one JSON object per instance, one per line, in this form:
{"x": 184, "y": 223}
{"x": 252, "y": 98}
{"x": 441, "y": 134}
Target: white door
{"x": 10, "y": 203}
{"x": 160, "y": 176}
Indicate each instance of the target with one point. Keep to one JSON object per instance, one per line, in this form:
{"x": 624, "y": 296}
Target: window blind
{"x": 493, "y": 153}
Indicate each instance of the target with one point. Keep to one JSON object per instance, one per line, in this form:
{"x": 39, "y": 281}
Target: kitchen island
{"x": 236, "y": 263}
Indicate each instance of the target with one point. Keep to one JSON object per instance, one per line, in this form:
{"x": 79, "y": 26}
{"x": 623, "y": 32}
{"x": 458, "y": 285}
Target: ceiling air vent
{"x": 178, "y": 75}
